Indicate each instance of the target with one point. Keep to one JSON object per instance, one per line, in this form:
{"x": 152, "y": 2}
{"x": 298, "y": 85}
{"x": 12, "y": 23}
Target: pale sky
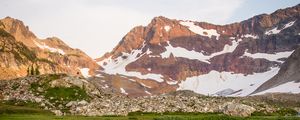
{"x": 96, "y": 26}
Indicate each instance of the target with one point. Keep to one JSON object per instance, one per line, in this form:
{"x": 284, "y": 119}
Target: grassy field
{"x": 30, "y": 111}
{"x": 140, "y": 117}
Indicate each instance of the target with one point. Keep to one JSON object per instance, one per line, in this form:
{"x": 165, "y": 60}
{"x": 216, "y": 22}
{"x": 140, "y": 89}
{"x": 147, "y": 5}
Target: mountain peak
{"x": 9, "y": 18}
{"x": 17, "y": 28}
{"x": 13, "y": 21}
{"x": 161, "y": 20}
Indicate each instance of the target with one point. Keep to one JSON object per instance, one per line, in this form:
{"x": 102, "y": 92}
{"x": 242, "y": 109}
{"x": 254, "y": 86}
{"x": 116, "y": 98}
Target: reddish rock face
{"x": 249, "y": 37}
{"x": 17, "y": 29}
{"x": 50, "y": 55}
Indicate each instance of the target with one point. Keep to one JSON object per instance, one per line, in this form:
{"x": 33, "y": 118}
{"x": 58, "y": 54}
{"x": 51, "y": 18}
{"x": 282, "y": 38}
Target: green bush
{"x": 44, "y": 82}
{"x": 286, "y": 112}
{"x": 25, "y": 51}
{"x": 46, "y": 61}
{"x": 260, "y": 113}
{"x": 34, "y": 87}
{"x": 15, "y": 86}
{"x": 3, "y": 33}
{"x": 169, "y": 118}
{"x": 21, "y": 107}
{"x": 63, "y": 95}
{"x": 20, "y": 103}
{"x": 32, "y": 70}
{"x": 5, "y": 109}
{"x": 280, "y": 112}
{"x": 37, "y": 71}
{"x": 204, "y": 117}
{"x": 138, "y": 113}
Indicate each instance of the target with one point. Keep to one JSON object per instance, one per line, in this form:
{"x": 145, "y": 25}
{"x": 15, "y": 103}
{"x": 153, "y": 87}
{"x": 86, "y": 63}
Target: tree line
{"x": 33, "y": 70}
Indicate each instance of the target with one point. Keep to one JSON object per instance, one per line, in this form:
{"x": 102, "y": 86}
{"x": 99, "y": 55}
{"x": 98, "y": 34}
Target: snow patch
{"x": 276, "y": 30}
{"x": 85, "y": 72}
{"x": 44, "y": 46}
{"x": 145, "y": 85}
{"x": 132, "y": 80}
{"x": 250, "y": 36}
{"x": 290, "y": 87}
{"x": 148, "y": 92}
{"x": 117, "y": 66}
{"x": 199, "y": 30}
{"x": 214, "y": 81}
{"x": 105, "y": 86}
{"x": 182, "y": 52}
{"x": 167, "y": 28}
{"x": 270, "y": 57}
{"x": 123, "y": 91}
{"x": 273, "y": 31}
{"x": 153, "y": 56}
{"x": 232, "y": 38}
{"x": 99, "y": 75}
{"x": 225, "y": 92}
{"x": 172, "y": 82}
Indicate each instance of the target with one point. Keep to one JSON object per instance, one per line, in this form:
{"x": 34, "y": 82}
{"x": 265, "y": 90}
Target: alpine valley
{"x": 167, "y": 66}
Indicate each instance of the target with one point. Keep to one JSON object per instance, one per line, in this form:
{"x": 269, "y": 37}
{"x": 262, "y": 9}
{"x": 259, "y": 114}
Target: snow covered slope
{"x": 226, "y": 60}
{"x": 214, "y": 82}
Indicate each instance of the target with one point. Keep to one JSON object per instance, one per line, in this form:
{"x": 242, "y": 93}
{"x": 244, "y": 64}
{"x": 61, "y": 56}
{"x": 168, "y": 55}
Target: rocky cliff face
{"x": 14, "y": 57}
{"x": 169, "y": 54}
{"x": 287, "y": 79}
{"x": 22, "y": 51}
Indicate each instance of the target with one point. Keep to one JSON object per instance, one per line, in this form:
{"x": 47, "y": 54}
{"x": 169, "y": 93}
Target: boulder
{"x": 82, "y": 102}
{"x": 60, "y": 83}
{"x": 38, "y": 100}
{"x": 71, "y": 103}
{"x": 237, "y": 109}
{"x": 57, "y": 112}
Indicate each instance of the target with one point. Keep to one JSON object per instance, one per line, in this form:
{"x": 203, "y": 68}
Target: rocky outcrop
{"x": 39, "y": 90}
{"x": 15, "y": 57}
{"x": 235, "y": 109}
{"x": 17, "y": 29}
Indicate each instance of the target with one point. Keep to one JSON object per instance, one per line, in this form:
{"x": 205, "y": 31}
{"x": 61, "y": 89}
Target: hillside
{"x": 24, "y": 51}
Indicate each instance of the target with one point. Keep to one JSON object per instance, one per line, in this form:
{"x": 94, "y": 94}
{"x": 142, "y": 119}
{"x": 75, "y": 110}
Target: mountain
{"x": 167, "y": 55}
{"x": 287, "y": 79}
{"x": 23, "y": 53}
{"x": 227, "y": 60}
